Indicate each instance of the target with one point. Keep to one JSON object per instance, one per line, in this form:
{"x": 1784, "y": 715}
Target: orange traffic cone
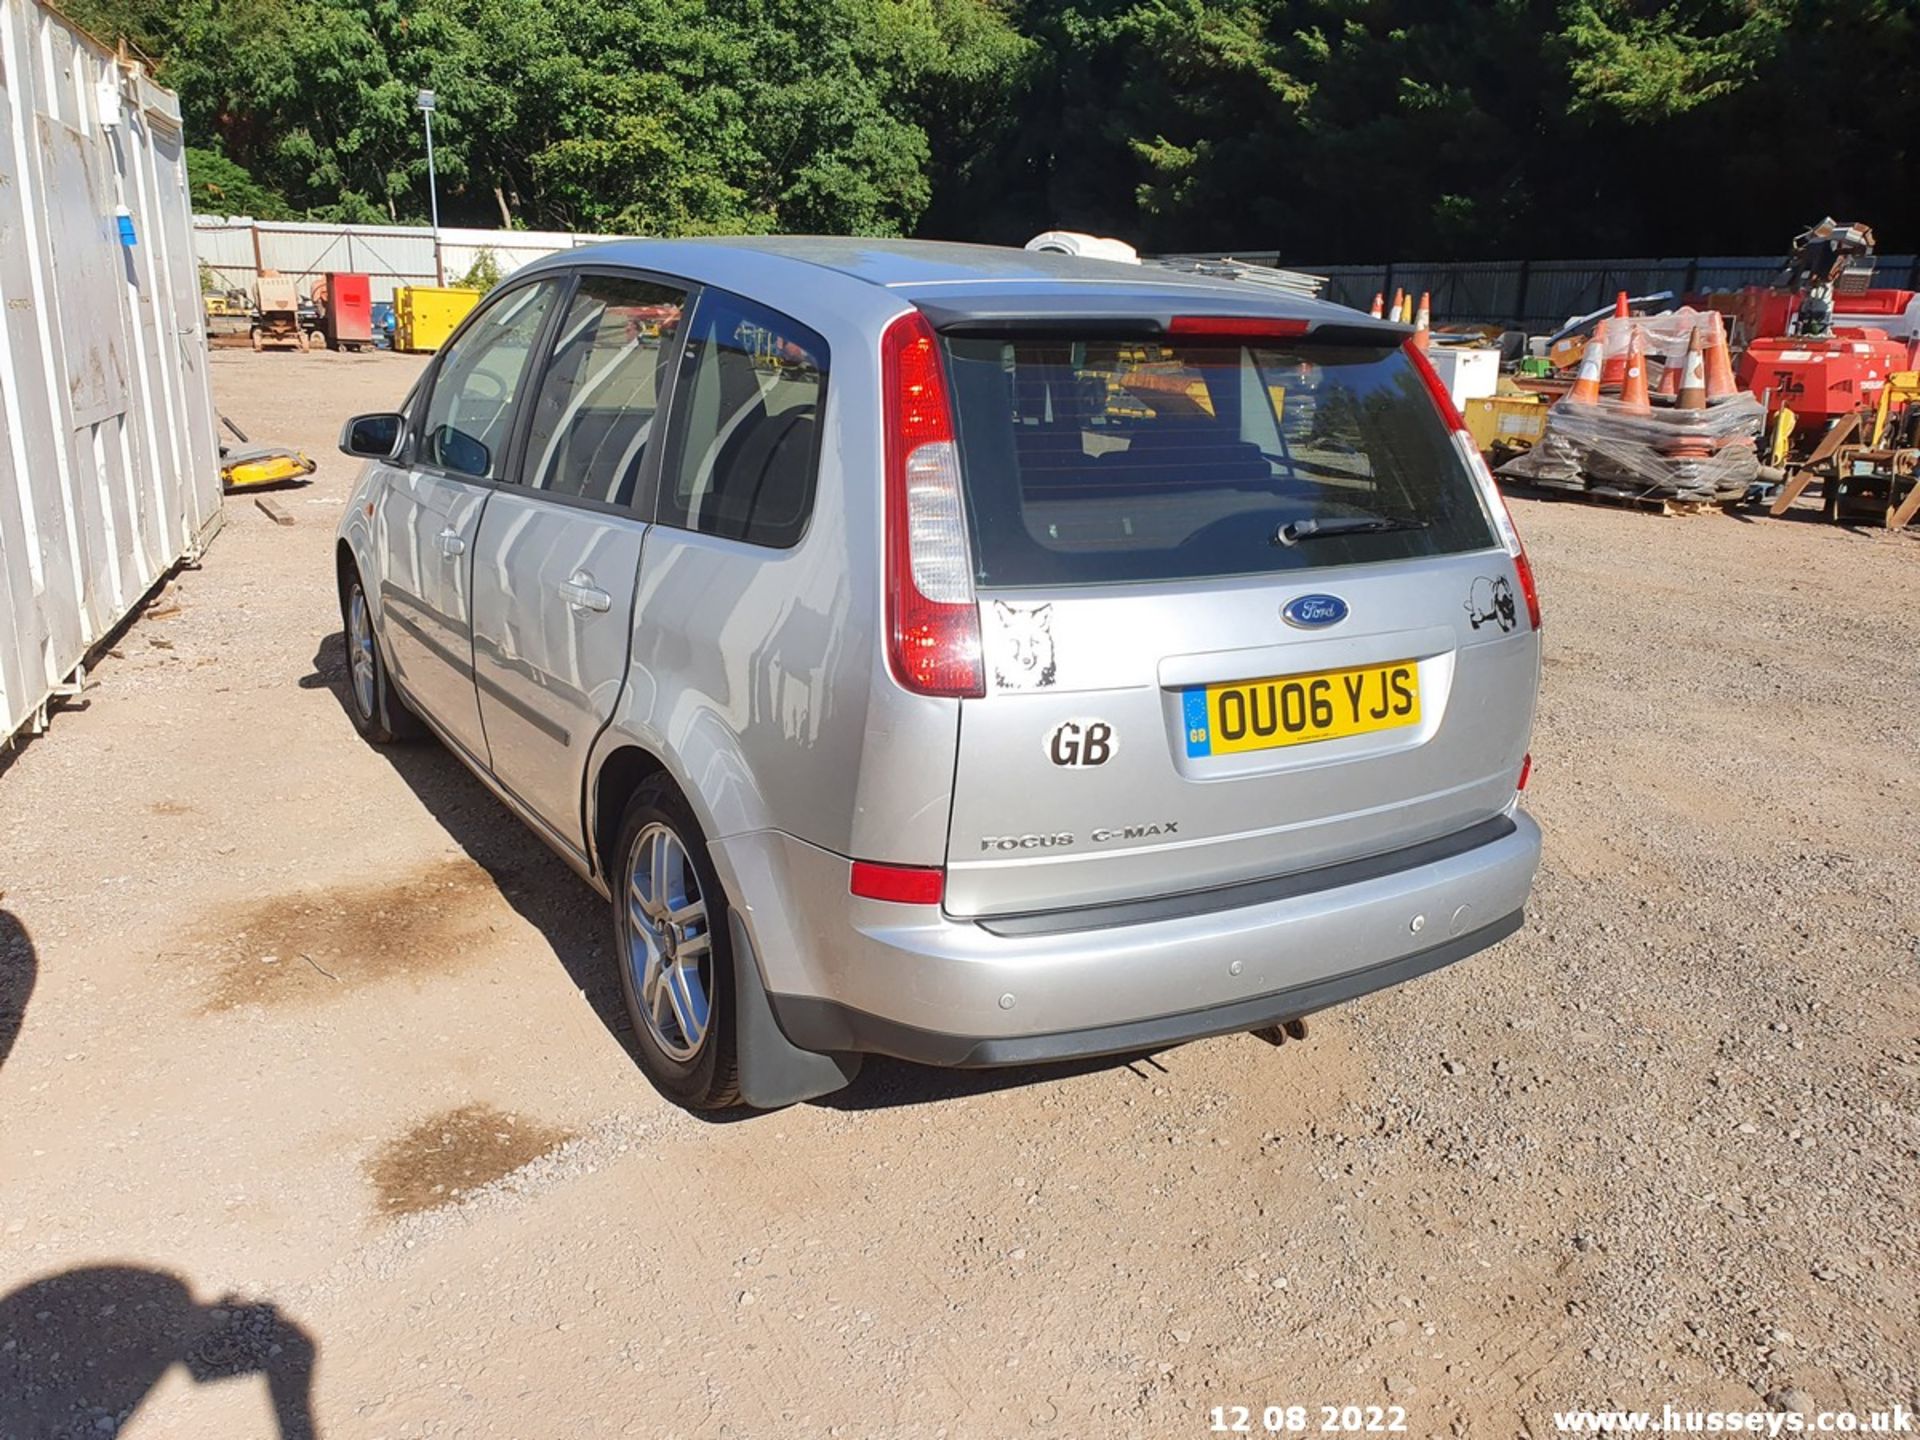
{"x": 1670, "y": 377}
{"x": 1379, "y": 302}
{"x": 1399, "y": 299}
{"x": 1633, "y": 382}
{"x": 1612, "y": 335}
{"x": 1423, "y": 322}
{"x": 1620, "y": 305}
{"x": 1720, "y": 382}
{"x": 1693, "y": 377}
{"x": 1586, "y": 385}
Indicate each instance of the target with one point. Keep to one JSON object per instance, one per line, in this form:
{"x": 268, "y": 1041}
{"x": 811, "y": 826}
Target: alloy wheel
{"x": 669, "y": 948}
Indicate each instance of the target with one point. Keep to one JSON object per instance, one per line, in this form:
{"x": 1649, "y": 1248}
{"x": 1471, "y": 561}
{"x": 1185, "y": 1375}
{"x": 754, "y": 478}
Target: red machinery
{"x": 1817, "y": 349}
{"x": 345, "y": 301}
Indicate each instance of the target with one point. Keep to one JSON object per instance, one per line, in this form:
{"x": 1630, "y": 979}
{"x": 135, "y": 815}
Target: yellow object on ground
{"x": 1515, "y": 421}
{"x": 425, "y": 315}
{"x": 245, "y": 470}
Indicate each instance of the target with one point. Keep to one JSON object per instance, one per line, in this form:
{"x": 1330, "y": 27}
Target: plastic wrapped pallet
{"x": 1606, "y": 448}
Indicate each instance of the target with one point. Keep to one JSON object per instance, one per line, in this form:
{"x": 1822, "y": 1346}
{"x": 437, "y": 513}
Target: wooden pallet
{"x": 1614, "y": 499}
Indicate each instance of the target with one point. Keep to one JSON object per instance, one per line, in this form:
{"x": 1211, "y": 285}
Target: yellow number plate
{"x": 1297, "y": 709}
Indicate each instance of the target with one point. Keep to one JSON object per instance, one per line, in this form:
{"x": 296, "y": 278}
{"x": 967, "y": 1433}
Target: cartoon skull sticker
{"x": 1490, "y": 601}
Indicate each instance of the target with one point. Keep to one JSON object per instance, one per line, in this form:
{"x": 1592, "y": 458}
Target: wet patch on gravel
{"x": 310, "y": 946}
{"x": 448, "y": 1156}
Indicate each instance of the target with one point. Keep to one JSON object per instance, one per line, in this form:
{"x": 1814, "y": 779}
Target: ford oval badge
{"x": 1311, "y": 612}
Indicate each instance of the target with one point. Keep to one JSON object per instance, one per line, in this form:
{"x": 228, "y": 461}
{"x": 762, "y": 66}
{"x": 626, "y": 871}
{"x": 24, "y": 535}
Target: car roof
{"x": 954, "y": 282}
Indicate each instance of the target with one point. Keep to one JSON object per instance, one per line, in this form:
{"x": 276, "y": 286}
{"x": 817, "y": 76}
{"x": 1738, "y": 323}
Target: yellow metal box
{"x": 425, "y": 315}
{"x": 1513, "y": 421}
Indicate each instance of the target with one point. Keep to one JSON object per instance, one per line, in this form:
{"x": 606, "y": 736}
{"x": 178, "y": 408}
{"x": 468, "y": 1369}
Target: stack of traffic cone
{"x": 1688, "y": 444}
{"x": 1693, "y": 377}
{"x": 1633, "y": 379}
{"x": 1719, "y": 367}
{"x": 1423, "y": 322}
{"x": 1586, "y": 385}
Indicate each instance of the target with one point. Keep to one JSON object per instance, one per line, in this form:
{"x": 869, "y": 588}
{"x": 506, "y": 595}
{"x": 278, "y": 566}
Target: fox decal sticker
{"x": 1023, "y": 659}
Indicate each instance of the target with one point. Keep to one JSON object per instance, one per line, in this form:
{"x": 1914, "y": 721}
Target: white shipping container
{"x": 109, "y": 467}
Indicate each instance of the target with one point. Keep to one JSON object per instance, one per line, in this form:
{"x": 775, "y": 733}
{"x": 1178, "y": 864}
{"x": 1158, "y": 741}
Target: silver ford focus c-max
{"x": 955, "y": 653}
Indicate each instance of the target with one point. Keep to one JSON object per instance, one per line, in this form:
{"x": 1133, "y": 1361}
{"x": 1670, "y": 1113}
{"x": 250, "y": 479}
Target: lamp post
{"x": 425, "y": 101}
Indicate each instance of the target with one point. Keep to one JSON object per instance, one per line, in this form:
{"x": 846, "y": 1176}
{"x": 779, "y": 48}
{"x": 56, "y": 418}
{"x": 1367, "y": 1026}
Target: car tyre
{"x": 378, "y": 712}
{"x": 674, "y": 951}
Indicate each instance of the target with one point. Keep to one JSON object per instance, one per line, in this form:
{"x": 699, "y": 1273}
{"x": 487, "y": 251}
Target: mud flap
{"x": 774, "y": 1072}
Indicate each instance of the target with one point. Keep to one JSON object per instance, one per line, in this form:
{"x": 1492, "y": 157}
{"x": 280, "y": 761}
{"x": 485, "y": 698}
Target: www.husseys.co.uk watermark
{"x": 1670, "y": 1420}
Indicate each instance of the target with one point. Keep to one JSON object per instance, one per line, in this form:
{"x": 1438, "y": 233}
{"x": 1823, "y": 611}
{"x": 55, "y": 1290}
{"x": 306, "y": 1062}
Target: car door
{"x": 429, "y": 510}
{"x": 559, "y": 553}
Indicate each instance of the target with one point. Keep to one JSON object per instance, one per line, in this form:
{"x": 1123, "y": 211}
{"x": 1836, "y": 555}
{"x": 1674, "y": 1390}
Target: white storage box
{"x": 1467, "y": 374}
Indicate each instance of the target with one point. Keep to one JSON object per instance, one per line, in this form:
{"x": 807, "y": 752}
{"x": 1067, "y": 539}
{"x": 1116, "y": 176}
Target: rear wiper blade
{"x": 1294, "y": 531}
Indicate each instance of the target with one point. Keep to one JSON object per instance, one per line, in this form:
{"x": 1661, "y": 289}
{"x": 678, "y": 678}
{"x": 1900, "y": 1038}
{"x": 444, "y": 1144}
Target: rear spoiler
{"x": 1140, "y": 323}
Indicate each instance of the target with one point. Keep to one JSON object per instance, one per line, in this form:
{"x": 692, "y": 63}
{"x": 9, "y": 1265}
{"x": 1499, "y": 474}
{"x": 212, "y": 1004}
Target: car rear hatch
{"x": 1249, "y": 606}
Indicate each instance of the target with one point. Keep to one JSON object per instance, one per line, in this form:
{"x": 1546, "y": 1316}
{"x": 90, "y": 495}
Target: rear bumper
{"x": 845, "y": 974}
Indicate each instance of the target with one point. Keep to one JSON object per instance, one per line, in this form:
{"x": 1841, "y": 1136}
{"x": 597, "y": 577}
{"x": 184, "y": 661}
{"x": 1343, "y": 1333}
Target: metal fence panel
{"x": 108, "y": 467}
{"x": 389, "y": 255}
{"x": 1541, "y": 295}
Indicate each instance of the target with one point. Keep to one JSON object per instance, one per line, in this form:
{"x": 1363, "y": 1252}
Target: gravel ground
{"x": 316, "y": 1116}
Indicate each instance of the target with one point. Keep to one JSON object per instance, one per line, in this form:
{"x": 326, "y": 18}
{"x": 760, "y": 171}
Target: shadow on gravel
{"x": 19, "y": 966}
{"x": 85, "y": 1347}
{"x": 573, "y": 921}
{"x": 887, "y": 1084}
{"x": 530, "y": 877}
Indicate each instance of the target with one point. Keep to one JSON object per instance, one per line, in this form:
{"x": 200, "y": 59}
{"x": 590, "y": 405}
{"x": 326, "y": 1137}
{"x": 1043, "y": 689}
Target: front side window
{"x": 1096, "y": 461}
{"x": 595, "y": 412}
{"x": 746, "y": 447}
{"x": 469, "y": 417}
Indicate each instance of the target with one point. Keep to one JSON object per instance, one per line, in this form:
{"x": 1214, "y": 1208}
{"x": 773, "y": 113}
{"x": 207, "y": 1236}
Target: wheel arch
{"x": 621, "y": 772}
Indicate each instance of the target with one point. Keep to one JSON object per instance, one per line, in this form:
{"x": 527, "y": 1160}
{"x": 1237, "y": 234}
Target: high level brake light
{"x": 1496, "y": 503}
{"x": 1244, "y": 326}
{"x": 933, "y": 622}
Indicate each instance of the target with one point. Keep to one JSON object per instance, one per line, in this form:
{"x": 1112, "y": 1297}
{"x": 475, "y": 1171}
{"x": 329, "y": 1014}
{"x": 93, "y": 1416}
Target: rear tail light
{"x": 1526, "y": 772}
{"x": 933, "y": 622}
{"x": 1483, "y": 480}
{"x": 902, "y": 884}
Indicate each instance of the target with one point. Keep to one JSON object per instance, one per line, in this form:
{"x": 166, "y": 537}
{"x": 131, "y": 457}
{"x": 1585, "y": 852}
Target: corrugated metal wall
{"x": 109, "y": 469}
{"x": 389, "y": 255}
{"x": 1539, "y": 295}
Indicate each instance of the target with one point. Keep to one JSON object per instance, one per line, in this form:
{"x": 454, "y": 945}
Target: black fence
{"x": 1541, "y": 295}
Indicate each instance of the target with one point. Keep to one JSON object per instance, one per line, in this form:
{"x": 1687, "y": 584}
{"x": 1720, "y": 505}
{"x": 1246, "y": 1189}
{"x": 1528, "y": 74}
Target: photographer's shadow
{"x": 85, "y": 1347}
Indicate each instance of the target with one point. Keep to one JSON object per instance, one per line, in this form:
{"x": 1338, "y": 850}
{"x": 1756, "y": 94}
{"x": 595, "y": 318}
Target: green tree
{"x": 221, "y": 187}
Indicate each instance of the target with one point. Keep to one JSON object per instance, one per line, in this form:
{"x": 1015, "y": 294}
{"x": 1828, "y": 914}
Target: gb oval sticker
{"x": 1312, "y": 612}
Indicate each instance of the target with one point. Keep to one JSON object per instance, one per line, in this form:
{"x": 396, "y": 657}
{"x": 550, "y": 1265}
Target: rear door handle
{"x": 452, "y": 543}
{"x": 581, "y": 593}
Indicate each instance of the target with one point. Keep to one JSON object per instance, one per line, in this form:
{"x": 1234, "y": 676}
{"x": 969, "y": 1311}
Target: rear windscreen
{"x": 1092, "y": 462}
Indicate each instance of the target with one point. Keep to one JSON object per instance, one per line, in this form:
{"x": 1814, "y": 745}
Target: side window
{"x": 469, "y": 416}
{"x": 594, "y": 413}
{"x": 747, "y": 435}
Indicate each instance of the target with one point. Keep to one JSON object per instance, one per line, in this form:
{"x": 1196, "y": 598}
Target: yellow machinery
{"x": 276, "y": 312}
{"x": 258, "y": 466}
{"x": 1874, "y": 481}
{"x": 425, "y": 315}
